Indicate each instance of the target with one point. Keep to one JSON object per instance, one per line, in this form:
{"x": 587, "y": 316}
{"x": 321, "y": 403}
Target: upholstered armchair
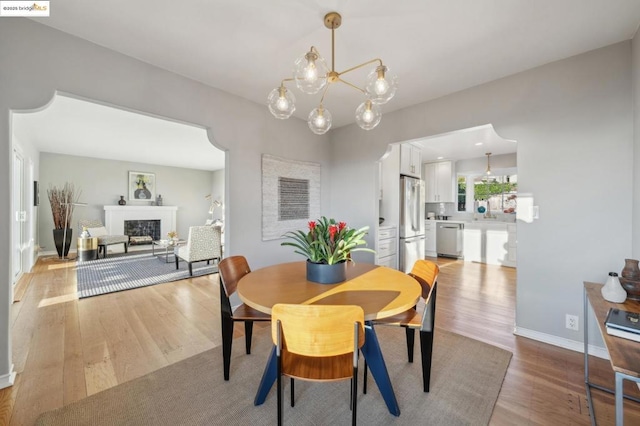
{"x": 97, "y": 229}
{"x": 204, "y": 243}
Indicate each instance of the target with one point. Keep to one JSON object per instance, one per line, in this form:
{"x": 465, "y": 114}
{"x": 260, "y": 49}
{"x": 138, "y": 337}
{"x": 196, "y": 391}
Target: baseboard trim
{"x": 572, "y": 345}
{"x": 7, "y": 380}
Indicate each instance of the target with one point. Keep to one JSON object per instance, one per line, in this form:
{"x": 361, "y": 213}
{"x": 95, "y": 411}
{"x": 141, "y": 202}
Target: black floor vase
{"x": 59, "y": 237}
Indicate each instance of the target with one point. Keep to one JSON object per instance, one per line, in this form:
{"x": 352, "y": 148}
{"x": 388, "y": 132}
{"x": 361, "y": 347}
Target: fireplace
{"x": 116, "y": 216}
{"x": 142, "y": 232}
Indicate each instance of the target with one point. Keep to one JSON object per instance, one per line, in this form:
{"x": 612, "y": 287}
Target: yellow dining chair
{"x": 317, "y": 343}
{"x": 231, "y": 269}
{"x": 426, "y": 273}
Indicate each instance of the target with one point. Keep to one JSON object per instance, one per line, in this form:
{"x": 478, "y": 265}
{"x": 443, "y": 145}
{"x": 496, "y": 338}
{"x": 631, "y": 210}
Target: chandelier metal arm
{"x": 352, "y": 85}
{"x": 326, "y": 88}
{"x": 361, "y": 65}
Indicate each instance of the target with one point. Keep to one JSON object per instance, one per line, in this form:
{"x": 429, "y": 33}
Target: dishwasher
{"x": 449, "y": 239}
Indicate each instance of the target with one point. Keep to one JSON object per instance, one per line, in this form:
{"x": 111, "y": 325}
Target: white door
{"x": 18, "y": 216}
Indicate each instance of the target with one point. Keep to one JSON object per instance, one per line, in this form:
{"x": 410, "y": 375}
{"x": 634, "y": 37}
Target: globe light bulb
{"x": 319, "y": 120}
{"x": 282, "y": 104}
{"x": 367, "y": 116}
{"x": 381, "y": 86}
{"x": 311, "y": 72}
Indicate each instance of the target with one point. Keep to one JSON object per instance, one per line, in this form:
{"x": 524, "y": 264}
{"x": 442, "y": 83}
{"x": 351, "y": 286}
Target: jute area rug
{"x": 119, "y": 273}
{"x": 465, "y": 383}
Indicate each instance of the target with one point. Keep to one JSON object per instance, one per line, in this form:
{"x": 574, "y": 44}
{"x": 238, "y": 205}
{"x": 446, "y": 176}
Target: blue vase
{"x": 326, "y": 274}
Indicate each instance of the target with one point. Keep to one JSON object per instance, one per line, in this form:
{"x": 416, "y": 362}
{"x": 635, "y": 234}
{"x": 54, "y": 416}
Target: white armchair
{"x": 204, "y": 243}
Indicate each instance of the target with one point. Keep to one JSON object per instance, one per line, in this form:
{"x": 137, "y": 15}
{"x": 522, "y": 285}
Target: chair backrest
{"x": 231, "y": 269}
{"x": 205, "y": 241}
{"x": 318, "y": 330}
{"x": 426, "y": 273}
{"x": 95, "y": 227}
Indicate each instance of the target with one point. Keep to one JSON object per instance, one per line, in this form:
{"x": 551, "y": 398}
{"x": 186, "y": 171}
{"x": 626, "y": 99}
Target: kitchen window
{"x": 497, "y": 194}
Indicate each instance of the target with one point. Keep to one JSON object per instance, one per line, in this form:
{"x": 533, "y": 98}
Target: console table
{"x": 623, "y": 353}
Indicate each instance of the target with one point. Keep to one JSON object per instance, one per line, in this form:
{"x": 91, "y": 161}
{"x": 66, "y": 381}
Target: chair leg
{"x": 190, "y": 269}
{"x": 126, "y": 248}
{"x": 293, "y": 401}
{"x": 177, "y": 267}
{"x": 227, "y": 340}
{"x": 364, "y": 382}
{"x": 411, "y": 337}
{"x": 279, "y": 391}
{"x": 248, "y": 331}
{"x": 426, "y": 349}
{"x": 354, "y": 399}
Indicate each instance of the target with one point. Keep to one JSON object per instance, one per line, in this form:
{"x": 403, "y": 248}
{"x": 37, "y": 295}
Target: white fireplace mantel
{"x": 114, "y": 217}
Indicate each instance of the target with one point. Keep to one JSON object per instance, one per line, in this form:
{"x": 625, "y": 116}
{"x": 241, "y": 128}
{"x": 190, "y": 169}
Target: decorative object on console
{"x": 159, "y": 200}
{"x": 612, "y": 291}
{"x": 142, "y": 186}
{"x": 630, "y": 278}
{"x": 327, "y": 246}
{"x": 311, "y": 75}
{"x": 122, "y": 202}
{"x": 63, "y": 201}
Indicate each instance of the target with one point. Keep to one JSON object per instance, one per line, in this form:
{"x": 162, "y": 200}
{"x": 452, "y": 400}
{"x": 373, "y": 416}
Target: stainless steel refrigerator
{"x": 412, "y": 236}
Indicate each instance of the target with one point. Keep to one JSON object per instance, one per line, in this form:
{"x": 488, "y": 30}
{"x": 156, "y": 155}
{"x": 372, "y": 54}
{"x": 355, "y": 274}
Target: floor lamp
{"x": 66, "y": 225}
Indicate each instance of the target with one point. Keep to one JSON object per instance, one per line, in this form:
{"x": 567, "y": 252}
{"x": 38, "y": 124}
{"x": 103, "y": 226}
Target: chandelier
{"x": 311, "y": 75}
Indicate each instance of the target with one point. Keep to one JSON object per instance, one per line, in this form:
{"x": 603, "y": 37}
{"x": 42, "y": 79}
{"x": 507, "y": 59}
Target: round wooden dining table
{"x": 380, "y": 291}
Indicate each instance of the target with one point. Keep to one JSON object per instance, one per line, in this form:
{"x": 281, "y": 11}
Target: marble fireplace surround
{"x": 114, "y": 217}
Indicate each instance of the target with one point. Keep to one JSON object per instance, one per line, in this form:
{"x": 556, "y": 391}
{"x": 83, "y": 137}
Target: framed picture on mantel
{"x": 142, "y": 186}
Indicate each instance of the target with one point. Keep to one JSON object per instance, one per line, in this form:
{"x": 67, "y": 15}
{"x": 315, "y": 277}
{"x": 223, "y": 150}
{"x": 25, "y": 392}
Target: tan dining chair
{"x": 426, "y": 273}
{"x": 317, "y": 343}
{"x": 231, "y": 269}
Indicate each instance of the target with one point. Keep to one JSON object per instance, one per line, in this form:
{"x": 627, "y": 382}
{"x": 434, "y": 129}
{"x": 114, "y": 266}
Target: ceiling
{"x": 87, "y": 129}
{"x": 246, "y": 47}
{"x": 464, "y": 144}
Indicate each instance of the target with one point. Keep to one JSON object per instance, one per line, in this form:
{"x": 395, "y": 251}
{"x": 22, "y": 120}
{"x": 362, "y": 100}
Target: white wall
{"x": 38, "y": 60}
{"x": 101, "y": 182}
{"x": 635, "y": 67}
{"x": 573, "y": 123}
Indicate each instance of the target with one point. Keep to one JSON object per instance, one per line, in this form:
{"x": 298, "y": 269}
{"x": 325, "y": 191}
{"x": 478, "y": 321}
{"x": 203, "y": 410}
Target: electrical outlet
{"x": 571, "y": 322}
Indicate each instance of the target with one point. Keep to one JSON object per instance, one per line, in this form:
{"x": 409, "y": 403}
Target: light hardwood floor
{"x": 65, "y": 349}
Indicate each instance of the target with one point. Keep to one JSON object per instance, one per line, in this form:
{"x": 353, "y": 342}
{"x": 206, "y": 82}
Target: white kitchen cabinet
{"x": 474, "y": 243}
{"x": 387, "y": 250}
{"x": 430, "y": 238}
{"x": 492, "y": 243}
{"x": 410, "y": 160}
{"x": 496, "y": 244}
{"x": 439, "y": 182}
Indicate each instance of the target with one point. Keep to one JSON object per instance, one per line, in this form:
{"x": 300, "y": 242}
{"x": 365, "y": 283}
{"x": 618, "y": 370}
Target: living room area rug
{"x": 118, "y": 273}
{"x": 466, "y": 379}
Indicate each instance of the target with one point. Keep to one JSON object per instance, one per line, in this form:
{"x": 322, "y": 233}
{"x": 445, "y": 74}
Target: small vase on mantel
{"x": 630, "y": 278}
{"x": 122, "y": 202}
{"x": 159, "y": 200}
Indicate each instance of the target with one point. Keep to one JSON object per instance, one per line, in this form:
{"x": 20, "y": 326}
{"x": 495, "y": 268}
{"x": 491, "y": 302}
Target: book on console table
{"x": 623, "y": 324}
